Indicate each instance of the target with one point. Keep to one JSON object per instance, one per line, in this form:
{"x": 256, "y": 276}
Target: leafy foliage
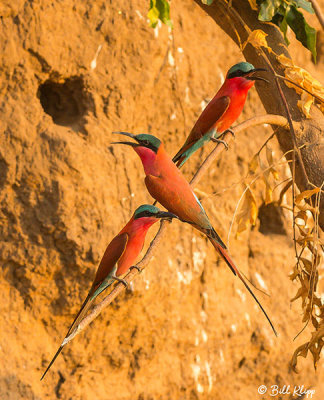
{"x": 283, "y": 13}
{"x": 159, "y": 10}
{"x": 286, "y": 13}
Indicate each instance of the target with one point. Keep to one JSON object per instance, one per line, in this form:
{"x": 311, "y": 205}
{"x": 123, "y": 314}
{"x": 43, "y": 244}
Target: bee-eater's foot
{"x": 220, "y": 141}
{"x": 115, "y": 278}
{"x": 229, "y": 131}
{"x": 136, "y": 267}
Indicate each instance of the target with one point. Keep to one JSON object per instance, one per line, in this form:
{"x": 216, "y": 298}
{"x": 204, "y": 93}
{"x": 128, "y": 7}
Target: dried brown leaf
{"x": 248, "y": 214}
{"x": 306, "y": 195}
{"x": 269, "y": 154}
{"x": 301, "y": 351}
{"x": 305, "y": 80}
{"x": 254, "y": 163}
{"x": 257, "y": 38}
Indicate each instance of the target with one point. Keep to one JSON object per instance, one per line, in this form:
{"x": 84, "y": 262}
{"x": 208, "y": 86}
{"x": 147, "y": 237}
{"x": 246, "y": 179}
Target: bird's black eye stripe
{"x": 144, "y": 214}
{"x": 237, "y": 73}
{"x": 149, "y": 145}
{"x": 145, "y": 143}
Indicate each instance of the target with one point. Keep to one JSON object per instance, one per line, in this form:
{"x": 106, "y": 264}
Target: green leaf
{"x": 284, "y": 27}
{"x": 153, "y": 16}
{"x": 268, "y": 9}
{"x": 304, "y": 4}
{"x": 208, "y": 2}
{"x": 280, "y": 20}
{"x": 159, "y": 10}
{"x": 304, "y": 32}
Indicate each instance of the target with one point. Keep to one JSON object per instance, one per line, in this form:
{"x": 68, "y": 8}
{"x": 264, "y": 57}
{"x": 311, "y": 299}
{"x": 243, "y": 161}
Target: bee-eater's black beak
{"x": 250, "y": 75}
{"x": 127, "y": 143}
{"x": 165, "y": 215}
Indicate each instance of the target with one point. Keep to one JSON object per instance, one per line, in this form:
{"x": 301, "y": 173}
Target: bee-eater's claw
{"x": 220, "y": 141}
{"x": 115, "y": 278}
{"x": 136, "y": 267}
{"x": 229, "y": 131}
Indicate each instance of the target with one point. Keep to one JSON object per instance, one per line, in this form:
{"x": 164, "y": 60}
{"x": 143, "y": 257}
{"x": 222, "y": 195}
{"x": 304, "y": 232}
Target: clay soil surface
{"x": 71, "y": 72}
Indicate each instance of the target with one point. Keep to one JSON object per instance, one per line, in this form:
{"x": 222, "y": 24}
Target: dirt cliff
{"x": 71, "y": 73}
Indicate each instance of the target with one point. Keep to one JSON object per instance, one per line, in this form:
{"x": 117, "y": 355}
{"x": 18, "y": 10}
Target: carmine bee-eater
{"x": 119, "y": 256}
{"x": 166, "y": 184}
{"x": 222, "y": 111}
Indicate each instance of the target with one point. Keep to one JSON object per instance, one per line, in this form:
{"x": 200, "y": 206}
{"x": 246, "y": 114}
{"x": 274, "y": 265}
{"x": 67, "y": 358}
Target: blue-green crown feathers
{"x": 150, "y": 140}
{"x": 240, "y": 69}
{"x": 145, "y": 210}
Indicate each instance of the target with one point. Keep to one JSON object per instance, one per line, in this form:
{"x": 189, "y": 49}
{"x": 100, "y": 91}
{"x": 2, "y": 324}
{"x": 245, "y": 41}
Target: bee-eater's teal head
{"x": 245, "y": 70}
{"x": 146, "y": 146}
{"x": 143, "y": 140}
{"x": 150, "y": 211}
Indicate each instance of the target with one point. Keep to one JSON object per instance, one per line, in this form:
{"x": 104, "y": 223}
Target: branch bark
{"x": 276, "y": 120}
{"x": 318, "y": 12}
{"x": 237, "y": 21}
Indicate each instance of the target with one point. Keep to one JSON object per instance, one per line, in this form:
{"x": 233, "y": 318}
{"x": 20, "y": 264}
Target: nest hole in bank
{"x": 67, "y": 101}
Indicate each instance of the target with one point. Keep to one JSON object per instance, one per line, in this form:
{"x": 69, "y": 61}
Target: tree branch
{"x": 96, "y": 310}
{"x": 270, "y": 119}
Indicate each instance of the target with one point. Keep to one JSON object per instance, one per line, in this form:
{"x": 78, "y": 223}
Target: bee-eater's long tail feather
{"x": 183, "y": 154}
{"x": 234, "y": 269}
{"x": 82, "y": 312}
{"x": 176, "y": 158}
{"x": 179, "y": 159}
{"x": 80, "y": 315}
{"x": 51, "y": 363}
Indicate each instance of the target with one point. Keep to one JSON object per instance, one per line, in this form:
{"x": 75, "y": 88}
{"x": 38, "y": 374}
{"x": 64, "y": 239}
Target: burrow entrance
{"x": 66, "y": 102}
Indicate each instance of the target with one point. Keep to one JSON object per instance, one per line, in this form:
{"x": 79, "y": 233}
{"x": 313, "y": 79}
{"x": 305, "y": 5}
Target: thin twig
{"x": 165, "y": 59}
{"x": 291, "y": 125}
{"x": 263, "y": 119}
{"x": 318, "y": 12}
{"x": 293, "y": 202}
